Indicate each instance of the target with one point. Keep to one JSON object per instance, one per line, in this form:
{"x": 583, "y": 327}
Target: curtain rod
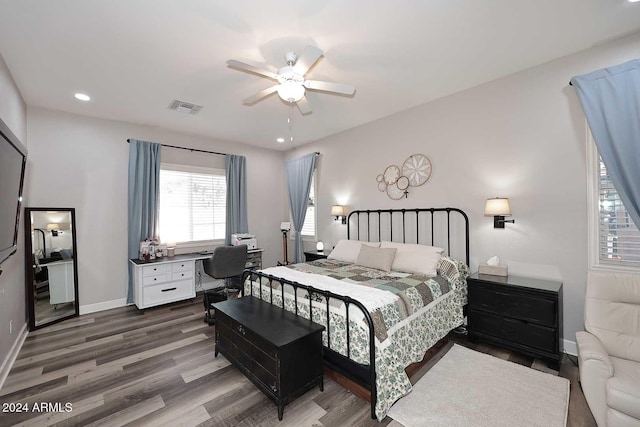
{"x": 190, "y": 149}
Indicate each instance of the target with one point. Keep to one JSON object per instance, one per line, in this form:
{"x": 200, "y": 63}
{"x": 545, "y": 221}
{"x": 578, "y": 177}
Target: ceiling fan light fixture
{"x": 291, "y": 91}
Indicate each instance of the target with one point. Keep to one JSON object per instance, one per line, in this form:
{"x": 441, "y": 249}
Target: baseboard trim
{"x": 101, "y": 306}
{"x": 7, "y": 364}
{"x": 570, "y": 347}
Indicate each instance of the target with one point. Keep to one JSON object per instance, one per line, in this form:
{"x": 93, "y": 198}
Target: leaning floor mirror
{"x": 51, "y": 265}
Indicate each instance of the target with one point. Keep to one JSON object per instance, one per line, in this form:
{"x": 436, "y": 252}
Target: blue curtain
{"x": 144, "y": 177}
{"x": 298, "y": 173}
{"x": 611, "y": 101}
{"x": 236, "y": 172}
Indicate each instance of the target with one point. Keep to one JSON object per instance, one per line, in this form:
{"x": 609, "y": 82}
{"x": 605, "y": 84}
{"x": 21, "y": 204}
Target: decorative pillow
{"x": 348, "y": 250}
{"x": 379, "y": 258}
{"x": 412, "y": 258}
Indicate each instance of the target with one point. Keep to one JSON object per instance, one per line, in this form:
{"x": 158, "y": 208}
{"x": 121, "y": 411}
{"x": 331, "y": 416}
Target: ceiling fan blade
{"x": 309, "y": 56}
{"x": 251, "y": 69}
{"x": 303, "y": 106}
{"x": 262, "y": 94}
{"x": 329, "y": 87}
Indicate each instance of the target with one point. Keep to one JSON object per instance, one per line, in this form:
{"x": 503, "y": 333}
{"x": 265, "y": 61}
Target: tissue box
{"x": 494, "y": 270}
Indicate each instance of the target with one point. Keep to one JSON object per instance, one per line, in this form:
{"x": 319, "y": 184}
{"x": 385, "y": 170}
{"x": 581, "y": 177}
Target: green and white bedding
{"x": 420, "y": 312}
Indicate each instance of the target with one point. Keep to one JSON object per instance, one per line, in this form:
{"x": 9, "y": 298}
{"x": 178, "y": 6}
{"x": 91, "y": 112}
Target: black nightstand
{"x": 315, "y": 255}
{"x": 522, "y": 314}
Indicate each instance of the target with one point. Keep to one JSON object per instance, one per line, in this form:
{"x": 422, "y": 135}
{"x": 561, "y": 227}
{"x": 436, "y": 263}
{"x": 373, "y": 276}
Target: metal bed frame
{"x": 364, "y": 375}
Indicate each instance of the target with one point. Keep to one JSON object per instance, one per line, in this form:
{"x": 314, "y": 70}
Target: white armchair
{"x": 609, "y": 348}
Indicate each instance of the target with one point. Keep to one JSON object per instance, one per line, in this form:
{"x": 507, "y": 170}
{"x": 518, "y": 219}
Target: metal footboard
{"x": 327, "y": 295}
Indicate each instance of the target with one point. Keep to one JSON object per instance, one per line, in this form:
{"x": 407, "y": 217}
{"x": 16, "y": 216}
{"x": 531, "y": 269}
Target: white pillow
{"x": 348, "y": 250}
{"x": 412, "y": 258}
{"x": 378, "y": 258}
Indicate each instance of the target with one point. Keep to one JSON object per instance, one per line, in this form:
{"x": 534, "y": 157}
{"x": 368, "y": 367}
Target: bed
{"x": 409, "y": 268}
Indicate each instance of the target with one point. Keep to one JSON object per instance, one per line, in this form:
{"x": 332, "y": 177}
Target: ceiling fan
{"x": 292, "y": 85}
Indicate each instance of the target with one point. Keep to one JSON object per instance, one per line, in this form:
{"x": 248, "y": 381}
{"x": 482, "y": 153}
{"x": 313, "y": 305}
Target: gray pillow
{"x": 379, "y": 258}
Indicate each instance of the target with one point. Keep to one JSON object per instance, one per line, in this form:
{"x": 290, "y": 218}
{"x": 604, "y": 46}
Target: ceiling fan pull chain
{"x": 290, "y": 120}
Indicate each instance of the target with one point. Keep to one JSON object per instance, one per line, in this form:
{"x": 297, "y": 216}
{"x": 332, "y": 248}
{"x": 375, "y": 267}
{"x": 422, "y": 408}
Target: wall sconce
{"x": 498, "y": 208}
{"x": 338, "y": 212}
{"x": 53, "y": 227}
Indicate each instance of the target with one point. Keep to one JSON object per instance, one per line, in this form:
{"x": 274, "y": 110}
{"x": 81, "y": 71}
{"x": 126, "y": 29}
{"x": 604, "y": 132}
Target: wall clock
{"x": 417, "y": 168}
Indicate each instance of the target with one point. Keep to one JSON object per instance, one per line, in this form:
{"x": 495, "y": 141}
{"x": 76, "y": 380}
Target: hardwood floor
{"x": 119, "y": 367}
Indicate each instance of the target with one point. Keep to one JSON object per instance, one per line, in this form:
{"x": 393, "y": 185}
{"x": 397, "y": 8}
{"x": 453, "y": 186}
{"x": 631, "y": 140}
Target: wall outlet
{"x": 10, "y": 326}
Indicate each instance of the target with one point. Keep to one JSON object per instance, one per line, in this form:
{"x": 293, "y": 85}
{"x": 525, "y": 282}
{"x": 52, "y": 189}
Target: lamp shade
{"x": 53, "y": 226}
{"x": 337, "y": 210}
{"x": 291, "y": 91}
{"x": 497, "y": 206}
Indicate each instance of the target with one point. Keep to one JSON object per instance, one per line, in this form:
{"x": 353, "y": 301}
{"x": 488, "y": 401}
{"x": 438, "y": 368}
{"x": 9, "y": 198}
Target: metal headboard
{"x": 401, "y": 224}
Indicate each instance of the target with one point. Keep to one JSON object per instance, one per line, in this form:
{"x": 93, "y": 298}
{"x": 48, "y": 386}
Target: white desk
{"x": 170, "y": 279}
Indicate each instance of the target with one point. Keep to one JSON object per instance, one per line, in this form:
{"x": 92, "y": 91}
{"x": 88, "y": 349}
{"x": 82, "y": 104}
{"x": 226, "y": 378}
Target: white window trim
{"x": 593, "y": 211}
{"x": 194, "y": 244}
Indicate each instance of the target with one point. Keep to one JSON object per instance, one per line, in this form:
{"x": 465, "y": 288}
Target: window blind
{"x": 619, "y": 238}
{"x": 192, "y": 204}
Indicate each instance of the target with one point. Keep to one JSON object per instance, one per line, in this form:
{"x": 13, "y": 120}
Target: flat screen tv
{"x": 13, "y": 160}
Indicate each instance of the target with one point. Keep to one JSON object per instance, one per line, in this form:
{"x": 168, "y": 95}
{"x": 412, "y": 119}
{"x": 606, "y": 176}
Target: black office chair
{"x": 226, "y": 263}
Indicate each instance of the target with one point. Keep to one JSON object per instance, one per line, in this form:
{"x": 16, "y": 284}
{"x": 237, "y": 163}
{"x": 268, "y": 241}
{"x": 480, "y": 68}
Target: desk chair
{"x": 226, "y": 263}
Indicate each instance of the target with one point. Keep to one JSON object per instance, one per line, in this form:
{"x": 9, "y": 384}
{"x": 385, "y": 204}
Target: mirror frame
{"x": 29, "y": 274}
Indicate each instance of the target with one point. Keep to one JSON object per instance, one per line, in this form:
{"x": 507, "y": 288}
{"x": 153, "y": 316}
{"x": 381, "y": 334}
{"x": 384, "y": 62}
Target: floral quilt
{"x": 426, "y": 310}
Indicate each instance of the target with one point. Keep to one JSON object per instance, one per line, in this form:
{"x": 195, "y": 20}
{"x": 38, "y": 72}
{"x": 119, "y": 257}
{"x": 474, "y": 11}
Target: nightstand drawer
{"x": 514, "y": 304}
{"x": 515, "y": 331}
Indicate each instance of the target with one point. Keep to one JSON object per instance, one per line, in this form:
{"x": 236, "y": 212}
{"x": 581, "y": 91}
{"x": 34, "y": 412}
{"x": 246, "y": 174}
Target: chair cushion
{"x": 612, "y": 312}
{"x": 623, "y": 389}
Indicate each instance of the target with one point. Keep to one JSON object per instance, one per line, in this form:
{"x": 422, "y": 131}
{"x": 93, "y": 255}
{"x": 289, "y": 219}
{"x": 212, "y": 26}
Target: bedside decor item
{"x": 319, "y": 246}
{"x": 493, "y": 267}
{"x": 395, "y": 181}
{"x": 499, "y": 208}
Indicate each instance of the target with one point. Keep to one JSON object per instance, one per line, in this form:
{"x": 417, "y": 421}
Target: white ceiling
{"x": 135, "y": 56}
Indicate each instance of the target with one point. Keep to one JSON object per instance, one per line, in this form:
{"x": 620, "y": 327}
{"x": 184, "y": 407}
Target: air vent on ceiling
{"x": 184, "y": 107}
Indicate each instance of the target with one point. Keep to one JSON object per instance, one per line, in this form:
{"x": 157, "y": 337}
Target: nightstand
{"x": 522, "y": 314}
{"x": 315, "y": 255}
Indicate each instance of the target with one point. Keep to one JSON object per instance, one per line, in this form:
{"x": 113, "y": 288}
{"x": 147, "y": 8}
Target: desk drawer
{"x": 154, "y": 280}
{"x": 168, "y": 292}
{"x": 182, "y": 266}
{"x": 153, "y": 269}
{"x": 513, "y": 304}
{"x": 182, "y": 275}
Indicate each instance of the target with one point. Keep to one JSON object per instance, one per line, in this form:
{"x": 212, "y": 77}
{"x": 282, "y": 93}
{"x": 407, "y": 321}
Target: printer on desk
{"x": 244, "y": 239}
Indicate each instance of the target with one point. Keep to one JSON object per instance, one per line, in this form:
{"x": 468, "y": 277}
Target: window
{"x": 192, "y": 203}
{"x": 616, "y": 239}
{"x": 309, "y": 226}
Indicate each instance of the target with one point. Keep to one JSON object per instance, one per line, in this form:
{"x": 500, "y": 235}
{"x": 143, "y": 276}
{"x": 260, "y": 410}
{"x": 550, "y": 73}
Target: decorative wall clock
{"x": 417, "y": 168}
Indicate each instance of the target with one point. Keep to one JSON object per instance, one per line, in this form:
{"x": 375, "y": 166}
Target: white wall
{"x": 521, "y": 137}
{"x": 12, "y": 287}
{"x": 82, "y": 162}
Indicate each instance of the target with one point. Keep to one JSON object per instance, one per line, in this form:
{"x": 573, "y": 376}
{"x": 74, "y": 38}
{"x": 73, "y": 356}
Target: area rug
{"x": 468, "y": 388}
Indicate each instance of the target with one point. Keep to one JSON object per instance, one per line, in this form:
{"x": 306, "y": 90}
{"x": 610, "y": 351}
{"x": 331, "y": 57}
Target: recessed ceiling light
{"x": 633, "y": 1}
{"x": 82, "y": 97}
{"x": 280, "y": 140}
